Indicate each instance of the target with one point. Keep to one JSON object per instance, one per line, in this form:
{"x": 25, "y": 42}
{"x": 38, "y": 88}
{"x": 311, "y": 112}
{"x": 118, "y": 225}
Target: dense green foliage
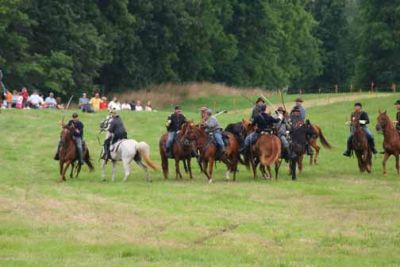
{"x": 71, "y": 46}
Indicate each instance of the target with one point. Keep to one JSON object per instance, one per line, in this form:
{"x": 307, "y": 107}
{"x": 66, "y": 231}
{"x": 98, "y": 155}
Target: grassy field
{"x": 331, "y": 216}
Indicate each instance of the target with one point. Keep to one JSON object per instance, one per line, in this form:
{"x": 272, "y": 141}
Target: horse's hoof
{"x": 210, "y": 181}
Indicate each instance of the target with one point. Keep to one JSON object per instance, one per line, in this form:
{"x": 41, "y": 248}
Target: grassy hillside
{"x": 332, "y": 215}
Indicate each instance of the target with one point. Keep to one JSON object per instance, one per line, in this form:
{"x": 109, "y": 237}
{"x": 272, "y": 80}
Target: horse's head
{"x": 66, "y": 133}
{"x": 382, "y": 121}
{"x": 305, "y": 132}
{"x": 189, "y": 133}
{"x": 247, "y": 126}
{"x": 105, "y": 123}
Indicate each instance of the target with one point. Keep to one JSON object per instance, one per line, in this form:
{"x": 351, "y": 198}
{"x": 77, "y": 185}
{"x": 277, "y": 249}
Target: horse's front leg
{"x": 190, "y": 168}
{"x": 61, "y": 170}
{"x": 210, "y": 170}
{"x": 178, "y": 174}
{"x": 103, "y": 170}
{"x": 385, "y": 158}
{"x": 127, "y": 169}
{"x": 301, "y": 164}
{"x": 65, "y": 170}
{"x": 71, "y": 174}
{"x": 114, "y": 170}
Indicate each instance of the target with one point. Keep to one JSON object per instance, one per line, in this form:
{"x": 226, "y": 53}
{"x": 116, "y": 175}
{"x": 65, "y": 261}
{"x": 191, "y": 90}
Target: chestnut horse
{"x": 182, "y": 150}
{"x": 266, "y": 151}
{"x": 313, "y": 143}
{"x": 361, "y": 148}
{"x": 68, "y": 154}
{"x": 391, "y": 141}
{"x": 207, "y": 151}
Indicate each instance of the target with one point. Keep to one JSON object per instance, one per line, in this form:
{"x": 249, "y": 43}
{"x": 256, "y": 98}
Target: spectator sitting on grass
{"x": 8, "y": 98}
{"x": 35, "y": 101}
{"x": 138, "y": 106}
{"x": 60, "y": 105}
{"x": 104, "y": 103}
{"x": 20, "y": 101}
{"x": 133, "y": 105}
{"x": 84, "y": 104}
{"x": 25, "y": 96}
{"x": 125, "y": 106}
{"x": 148, "y": 106}
{"x": 96, "y": 101}
{"x": 51, "y": 101}
{"x": 14, "y": 99}
{"x": 114, "y": 104}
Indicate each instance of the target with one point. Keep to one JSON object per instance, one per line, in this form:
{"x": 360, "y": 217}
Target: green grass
{"x": 332, "y": 215}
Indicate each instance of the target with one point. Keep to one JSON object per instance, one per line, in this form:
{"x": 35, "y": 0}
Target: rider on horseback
{"x": 263, "y": 123}
{"x": 283, "y": 129}
{"x": 257, "y": 108}
{"x": 397, "y": 104}
{"x": 77, "y": 125}
{"x": 174, "y": 123}
{"x": 297, "y": 119}
{"x": 362, "y": 117}
{"x": 211, "y": 126}
{"x": 117, "y": 132}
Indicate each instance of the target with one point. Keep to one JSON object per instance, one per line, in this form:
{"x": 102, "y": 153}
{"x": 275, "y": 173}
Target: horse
{"x": 266, "y": 151}
{"x": 206, "y": 146}
{"x": 313, "y": 143}
{"x": 391, "y": 141}
{"x": 182, "y": 150}
{"x": 298, "y": 140}
{"x": 68, "y": 154}
{"x": 126, "y": 150}
{"x": 361, "y": 147}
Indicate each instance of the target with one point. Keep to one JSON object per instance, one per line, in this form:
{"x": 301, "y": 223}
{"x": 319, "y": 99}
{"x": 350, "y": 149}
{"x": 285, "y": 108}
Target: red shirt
{"x": 104, "y": 105}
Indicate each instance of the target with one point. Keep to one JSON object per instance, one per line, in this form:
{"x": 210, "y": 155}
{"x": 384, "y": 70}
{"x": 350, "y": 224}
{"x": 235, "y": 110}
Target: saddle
{"x": 115, "y": 147}
{"x": 225, "y": 138}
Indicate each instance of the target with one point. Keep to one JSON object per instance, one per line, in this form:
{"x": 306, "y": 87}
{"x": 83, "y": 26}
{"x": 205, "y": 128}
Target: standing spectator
{"x": 84, "y": 104}
{"x": 114, "y": 104}
{"x": 133, "y": 105}
{"x": 126, "y": 106}
{"x": 25, "y": 96}
{"x": 138, "y": 106}
{"x": 14, "y": 99}
{"x": 51, "y": 101}
{"x": 104, "y": 103}
{"x": 20, "y": 101}
{"x": 148, "y": 106}
{"x": 95, "y": 102}
{"x": 8, "y": 97}
{"x": 35, "y": 101}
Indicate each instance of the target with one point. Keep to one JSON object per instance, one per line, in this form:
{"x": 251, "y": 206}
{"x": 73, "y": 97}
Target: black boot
{"x": 169, "y": 152}
{"x": 372, "y": 145}
{"x": 347, "y": 153}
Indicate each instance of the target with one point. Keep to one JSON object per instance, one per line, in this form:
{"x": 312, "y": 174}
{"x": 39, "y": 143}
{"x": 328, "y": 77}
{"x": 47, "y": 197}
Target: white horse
{"x": 127, "y": 150}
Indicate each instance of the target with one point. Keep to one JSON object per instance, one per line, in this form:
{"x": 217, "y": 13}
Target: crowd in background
{"x": 22, "y": 100}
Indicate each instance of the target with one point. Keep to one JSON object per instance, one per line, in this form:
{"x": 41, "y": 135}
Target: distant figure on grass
{"x": 299, "y": 107}
{"x": 125, "y": 106}
{"x": 116, "y": 131}
{"x": 95, "y": 102}
{"x": 148, "y": 107}
{"x": 71, "y": 148}
{"x": 138, "y": 106}
{"x": 51, "y": 101}
{"x": 173, "y": 124}
{"x": 391, "y": 141}
{"x": 84, "y": 104}
{"x": 114, "y": 104}
{"x": 35, "y": 100}
{"x": 25, "y": 96}
{"x": 362, "y": 119}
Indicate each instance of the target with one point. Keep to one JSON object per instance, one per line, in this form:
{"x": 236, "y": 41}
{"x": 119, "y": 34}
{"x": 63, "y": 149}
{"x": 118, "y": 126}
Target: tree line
{"x": 78, "y": 45}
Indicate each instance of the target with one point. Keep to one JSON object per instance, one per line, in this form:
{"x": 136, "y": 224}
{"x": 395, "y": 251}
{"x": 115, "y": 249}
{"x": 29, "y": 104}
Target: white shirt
{"x": 126, "y": 106}
{"x": 114, "y": 105}
{"x": 51, "y": 101}
{"x": 138, "y": 108}
{"x": 35, "y": 100}
{"x": 148, "y": 108}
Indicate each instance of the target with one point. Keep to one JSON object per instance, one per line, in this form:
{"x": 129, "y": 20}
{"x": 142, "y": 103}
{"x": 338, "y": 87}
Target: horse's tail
{"x": 268, "y": 159}
{"x": 144, "y": 152}
{"x": 88, "y": 161}
{"x": 324, "y": 142}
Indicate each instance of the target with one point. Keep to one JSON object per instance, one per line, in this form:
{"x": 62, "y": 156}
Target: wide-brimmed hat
{"x": 203, "y": 108}
{"x": 298, "y": 100}
{"x": 260, "y": 99}
{"x": 358, "y": 104}
{"x": 280, "y": 109}
{"x": 178, "y": 108}
{"x": 75, "y": 115}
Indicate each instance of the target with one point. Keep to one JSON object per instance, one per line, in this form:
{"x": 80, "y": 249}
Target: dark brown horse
{"x": 391, "y": 141}
{"x": 208, "y": 151}
{"x": 313, "y": 143}
{"x": 298, "y": 140}
{"x": 68, "y": 154}
{"x": 183, "y": 150}
{"x": 361, "y": 147}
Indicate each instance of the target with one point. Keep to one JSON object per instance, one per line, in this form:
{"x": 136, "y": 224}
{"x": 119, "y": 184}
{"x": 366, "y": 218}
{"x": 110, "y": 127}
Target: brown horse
{"x": 266, "y": 151}
{"x": 208, "y": 150}
{"x": 182, "y": 150}
{"x": 68, "y": 154}
{"x": 391, "y": 141}
{"x": 313, "y": 143}
{"x": 361, "y": 148}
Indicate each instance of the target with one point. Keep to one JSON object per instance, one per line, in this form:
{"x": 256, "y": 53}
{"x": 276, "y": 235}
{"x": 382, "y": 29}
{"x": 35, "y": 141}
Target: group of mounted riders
{"x": 281, "y": 124}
